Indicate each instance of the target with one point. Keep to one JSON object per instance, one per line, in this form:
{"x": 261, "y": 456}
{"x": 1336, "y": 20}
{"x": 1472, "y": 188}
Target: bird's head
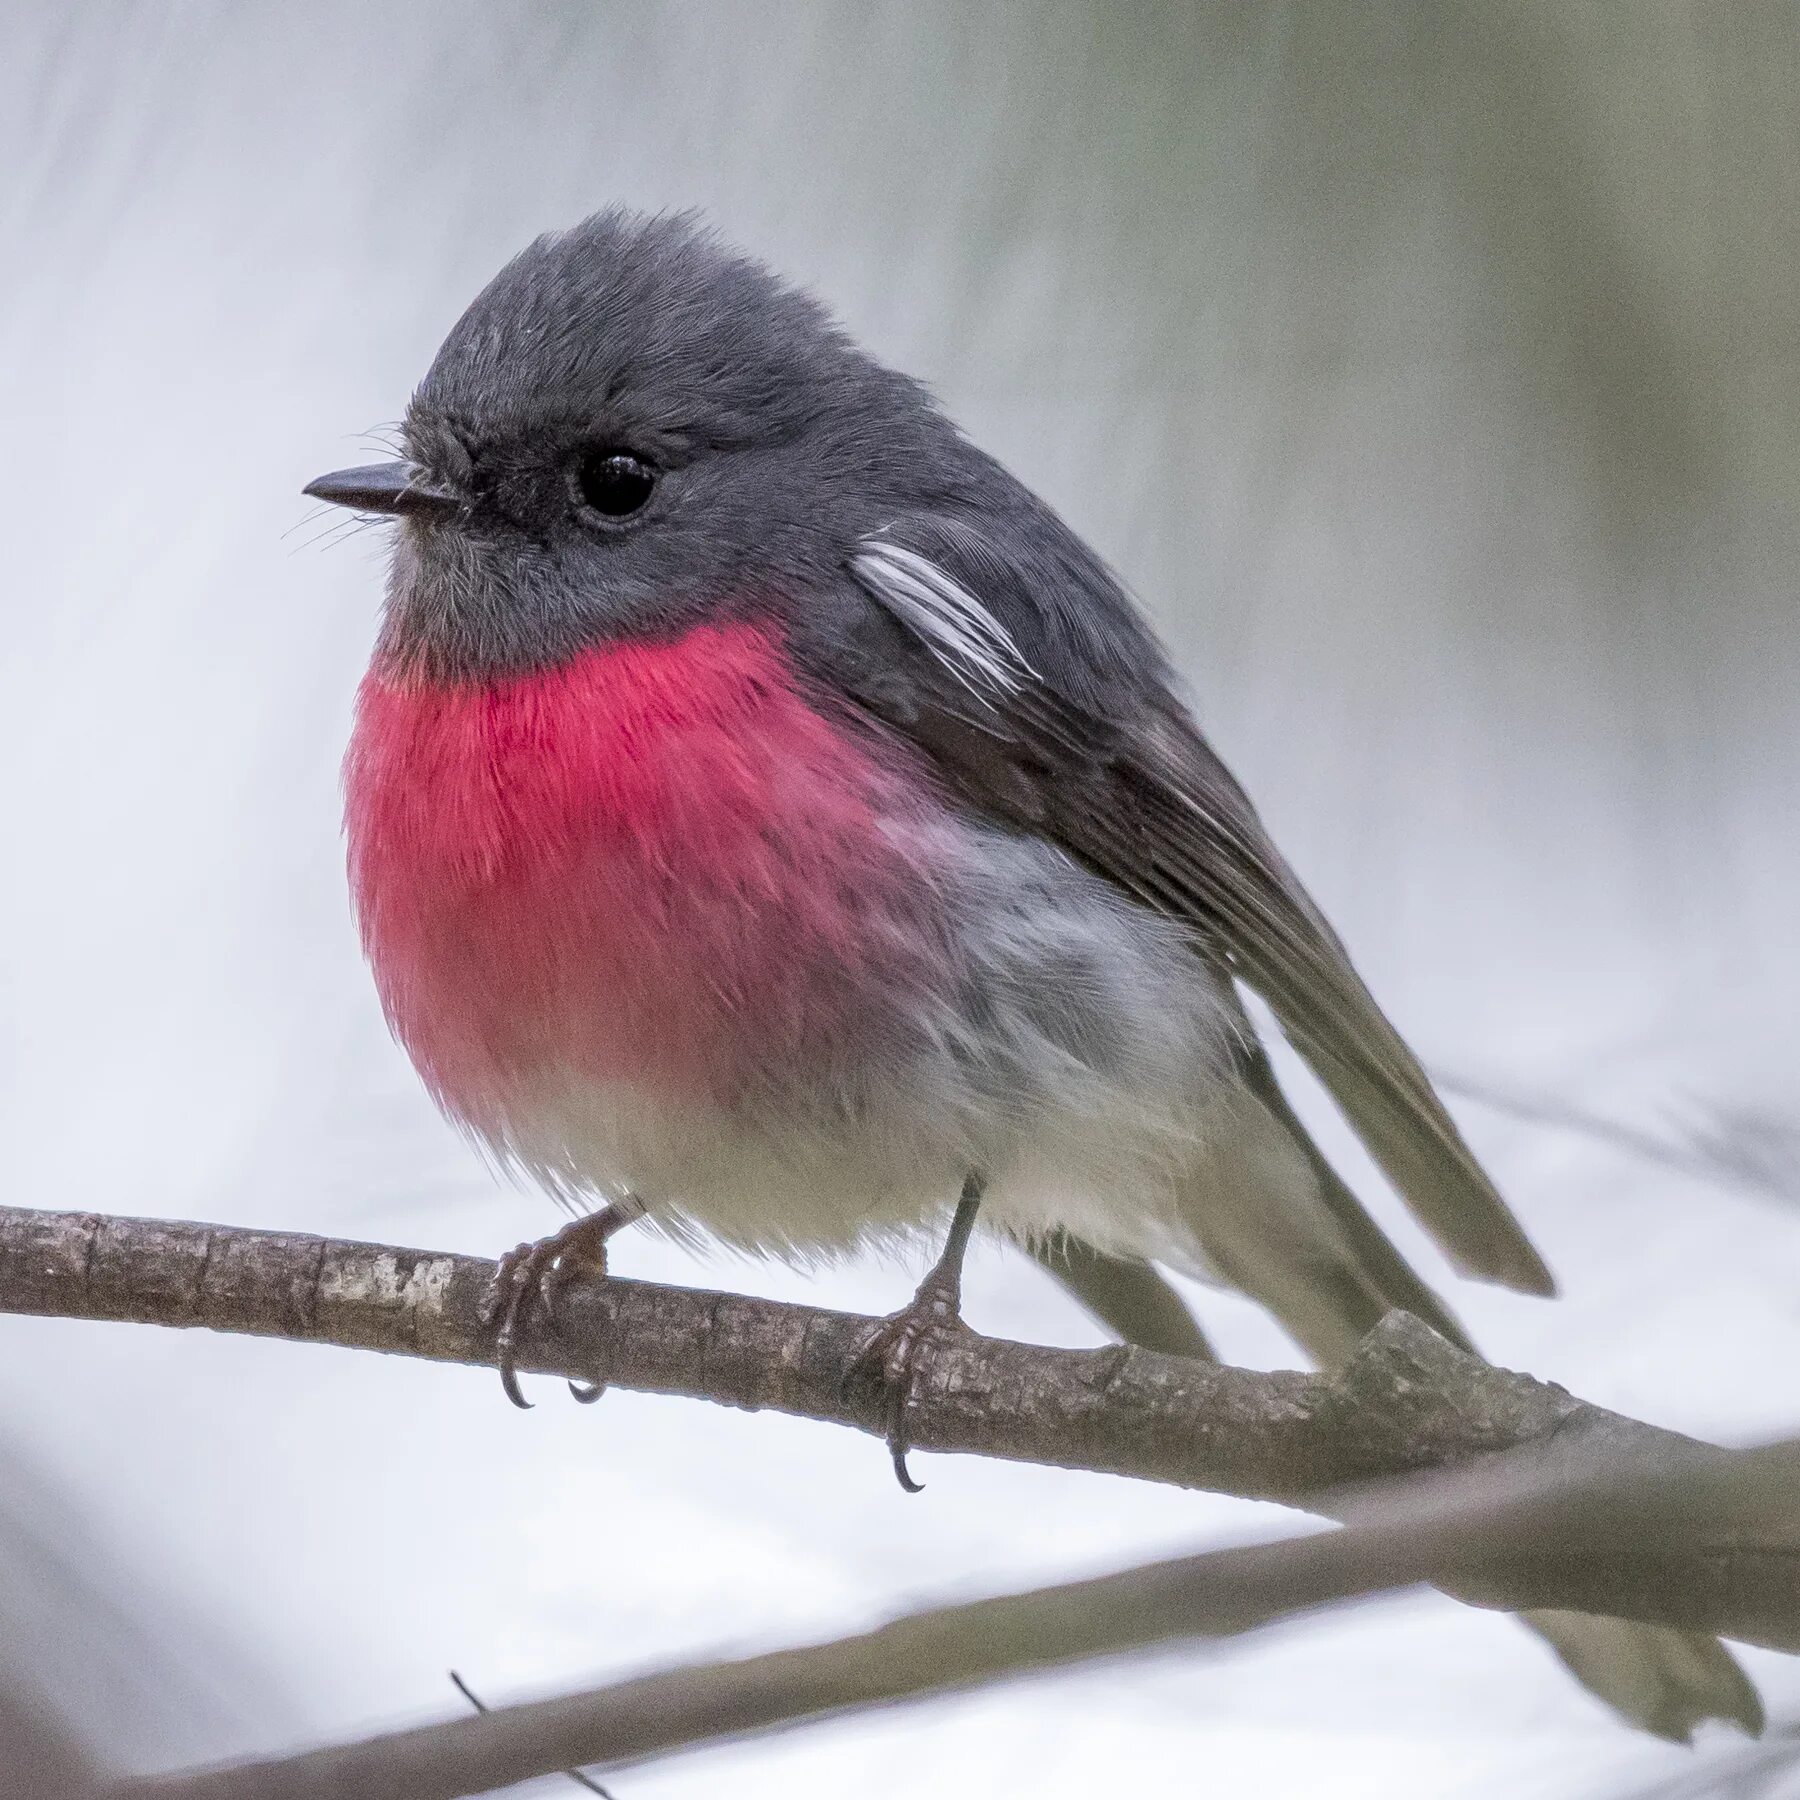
{"x": 632, "y": 429}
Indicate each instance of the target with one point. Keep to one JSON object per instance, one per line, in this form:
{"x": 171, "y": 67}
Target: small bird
{"x": 768, "y": 820}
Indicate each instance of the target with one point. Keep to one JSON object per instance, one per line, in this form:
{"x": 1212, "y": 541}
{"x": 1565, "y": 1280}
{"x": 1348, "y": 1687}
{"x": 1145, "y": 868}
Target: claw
{"x": 897, "y": 1448}
{"x": 544, "y": 1271}
{"x": 934, "y": 1311}
{"x": 891, "y": 1354}
{"x": 506, "y": 1346}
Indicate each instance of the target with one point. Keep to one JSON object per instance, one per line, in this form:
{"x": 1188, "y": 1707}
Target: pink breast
{"x": 655, "y": 863}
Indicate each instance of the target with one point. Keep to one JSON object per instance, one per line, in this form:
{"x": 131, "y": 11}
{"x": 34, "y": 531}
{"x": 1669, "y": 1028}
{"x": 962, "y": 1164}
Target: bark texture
{"x": 1406, "y": 1402}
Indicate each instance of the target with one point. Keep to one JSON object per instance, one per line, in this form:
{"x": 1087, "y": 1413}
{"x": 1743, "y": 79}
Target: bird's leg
{"x": 935, "y": 1308}
{"x": 543, "y": 1271}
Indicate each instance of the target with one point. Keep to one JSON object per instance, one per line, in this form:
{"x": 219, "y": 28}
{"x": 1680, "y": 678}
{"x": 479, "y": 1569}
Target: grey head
{"x": 632, "y": 428}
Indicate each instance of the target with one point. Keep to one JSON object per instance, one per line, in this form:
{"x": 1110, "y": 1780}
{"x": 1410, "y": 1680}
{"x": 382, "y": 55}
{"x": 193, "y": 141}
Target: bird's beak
{"x": 396, "y": 487}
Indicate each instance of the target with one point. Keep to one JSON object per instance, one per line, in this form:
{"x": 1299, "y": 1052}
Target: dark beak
{"x": 396, "y": 487}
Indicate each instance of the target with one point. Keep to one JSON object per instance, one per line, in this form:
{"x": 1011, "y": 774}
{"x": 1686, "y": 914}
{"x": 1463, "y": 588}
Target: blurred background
{"x": 1429, "y": 370}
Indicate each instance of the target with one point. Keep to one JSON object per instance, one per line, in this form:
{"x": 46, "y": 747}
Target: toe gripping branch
{"x": 890, "y": 1356}
{"x": 542, "y": 1273}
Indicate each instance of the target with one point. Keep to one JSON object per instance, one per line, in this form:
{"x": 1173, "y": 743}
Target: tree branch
{"x": 1414, "y": 1530}
{"x": 1406, "y": 1401}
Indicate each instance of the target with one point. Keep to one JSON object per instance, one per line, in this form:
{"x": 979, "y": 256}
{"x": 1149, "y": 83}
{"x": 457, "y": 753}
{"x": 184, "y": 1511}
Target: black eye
{"x": 614, "y": 482}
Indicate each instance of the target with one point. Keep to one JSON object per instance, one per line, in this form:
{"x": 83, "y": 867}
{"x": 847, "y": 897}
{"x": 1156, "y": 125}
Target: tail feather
{"x": 1293, "y": 1237}
{"x": 1128, "y": 1297}
{"x": 1666, "y": 1680}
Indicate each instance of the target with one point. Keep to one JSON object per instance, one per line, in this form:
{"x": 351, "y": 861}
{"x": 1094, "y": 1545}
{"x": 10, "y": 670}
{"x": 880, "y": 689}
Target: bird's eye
{"x": 614, "y": 483}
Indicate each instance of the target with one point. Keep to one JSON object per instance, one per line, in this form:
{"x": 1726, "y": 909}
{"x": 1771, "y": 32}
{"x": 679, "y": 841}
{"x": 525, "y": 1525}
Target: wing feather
{"x": 1140, "y": 797}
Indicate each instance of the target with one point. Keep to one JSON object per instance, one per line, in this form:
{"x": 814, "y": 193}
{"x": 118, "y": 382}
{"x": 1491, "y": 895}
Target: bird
{"x": 768, "y": 820}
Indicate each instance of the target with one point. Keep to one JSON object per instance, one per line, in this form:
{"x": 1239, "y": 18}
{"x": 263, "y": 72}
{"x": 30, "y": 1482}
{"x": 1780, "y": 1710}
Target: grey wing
{"x": 1056, "y": 716}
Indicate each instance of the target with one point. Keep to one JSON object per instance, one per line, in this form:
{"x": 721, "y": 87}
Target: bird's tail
{"x": 1275, "y": 1220}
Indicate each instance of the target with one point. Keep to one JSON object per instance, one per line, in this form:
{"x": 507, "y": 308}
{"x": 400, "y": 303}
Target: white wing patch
{"x": 960, "y": 632}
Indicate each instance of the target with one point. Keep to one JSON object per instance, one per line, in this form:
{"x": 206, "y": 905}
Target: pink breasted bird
{"x": 767, "y": 819}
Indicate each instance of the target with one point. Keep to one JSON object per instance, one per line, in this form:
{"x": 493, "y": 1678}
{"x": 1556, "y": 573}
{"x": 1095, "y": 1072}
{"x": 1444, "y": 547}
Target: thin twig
{"x": 1736, "y": 1146}
{"x": 1419, "y": 1530}
{"x": 481, "y": 1706}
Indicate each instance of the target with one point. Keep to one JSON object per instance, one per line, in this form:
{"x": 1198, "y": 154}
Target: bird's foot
{"x": 890, "y": 1356}
{"x": 543, "y": 1272}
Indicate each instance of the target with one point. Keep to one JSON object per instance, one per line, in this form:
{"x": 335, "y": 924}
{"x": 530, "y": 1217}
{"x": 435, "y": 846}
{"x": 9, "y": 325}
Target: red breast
{"x": 640, "y": 865}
